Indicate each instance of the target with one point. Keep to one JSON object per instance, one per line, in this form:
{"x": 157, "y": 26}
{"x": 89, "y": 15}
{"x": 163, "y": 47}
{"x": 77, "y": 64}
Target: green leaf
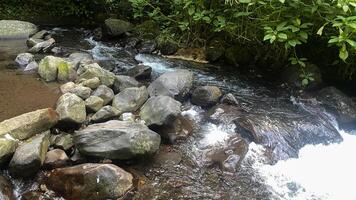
{"x": 351, "y": 42}
{"x": 281, "y": 26}
{"x": 305, "y": 82}
{"x": 282, "y": 36}
{"x": 267, "y": 37}
{"x": 282, "y": 1}
{"x": 304, "y": 35}
{"x": 191, "y": 10}
{"x": 320, "y": 31}
{"x": 245, "y": 1}
{"x": 343, "y": 53}
{"x": 333, "y": 40}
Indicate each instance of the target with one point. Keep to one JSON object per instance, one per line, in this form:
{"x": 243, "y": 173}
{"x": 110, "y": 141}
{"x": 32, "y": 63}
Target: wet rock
{"x": 29, "y": 156}
{"x": 166, "y": 45}
{"x": 94, "y": 70}
{"x": 123, "y": 82}
{"x": 48, "y": 67}
{"x": 175, "y": 84}
{"x": 206, "y": 96}
{"x": 92, "y": 83}
{"x": 117, "y": 140}
{"x": 178, "y": 130}
{"x": 71, "y": 109}
{"x": 6, "y": 189}
{"x": 31, "y": 67}
{"x": 147, "y": 47}
{"x": 7, "y": 149}
{"x": 90, "y": 182}
{"x": 229, "y": 99}
{"x": 79, "y": 90}
{"x": 224, "y": 114}
{"x": 59, "y": 51}
{"x": 105, "y": 113}
{"x": 339, "y": 104}
{"x": 116, "y": 27}
{"x": 227, "y": 156}
{"x": 80, "y": 57}
{"x": 78, "y": 158}
{"x": 98, "y": 33}
{"x": 291, "y": 75}
{"x": 11, "y": 29}
{"x": 44, "y": 46}
{"x": 24, "y": 59}
{"x": 140, "y": 72}
{"x": 40, "y": 34}
{"x": 168, "y": 158}
{"x": 130, "y": 99}
{"x": 63, "y": 141}
{"x": 94, "y": 103}
{"x": 32, "y": 42}
{"x": 28, "y": 124}
{"x": 238, "y": 55}
{"x": 104, "y": 92}
{"x": 55, "y": 159}
{"x": 214, "y": 51}
{"x": 160, "y": 110}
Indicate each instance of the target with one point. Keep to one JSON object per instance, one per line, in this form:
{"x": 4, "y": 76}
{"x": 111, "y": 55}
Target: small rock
{"x": 140, "y": 72}
{"x": 229, "y": 99}
{"x": 32, "y": 42}
{"x": 7, "y": 149}
{"x": 42, "y": 46}
{"x": 105, "y": 113}
{"x": 32, "y": 66}
{"x": 62, "y": 141}
{"x": 94, "y": 70}
{"x": 90, "y": 182}
{"x": 92, "y": 83}
{"x": 116, "y": 27}
{"x": 29, "y": 156}
{"x": 206, "y": 96}
{"x": 130, "y": 99}
{"x": 55, "y": 159}
{"x": 80, "y": 57}
{"x": 147, "y": 47}
{"x": 123, "y": 82}
{"x": 40, "y": 34}
{"x": 104, "y": 92}
{"x": 71, "y": 109}
{"x": 94, "y": 103}
{"x": 79, "y": 90}
{"x": 24, "y": 59}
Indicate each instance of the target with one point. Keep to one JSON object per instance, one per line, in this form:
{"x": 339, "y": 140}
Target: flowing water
{"x": 317, "y": 171}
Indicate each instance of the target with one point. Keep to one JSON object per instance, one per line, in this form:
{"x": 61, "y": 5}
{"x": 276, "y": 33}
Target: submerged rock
{"x": 90, "y": 182}
{"x": 339, "y": 104}
{"x": 130, "y": 99}
{"x": 175, "y": 84}
{"x": 24, "y": 59}
{"x": 7, "y": 149}
{"x": 71, "y": 109}
{"x": 29, "y": 156}
{"x": 104, "y": 92}
{"x": 28, "y": 124}
{"x": 105, "y": 113}
{"x": 117, "y": 140}
{"x": 206, "y": 96}
{"x": 160, "y": 110}
{"x": 10, "y": 29}
{"x": 116, "y": 27}
{"x": 123, "y": 82}
{"x": 6, "y": 189}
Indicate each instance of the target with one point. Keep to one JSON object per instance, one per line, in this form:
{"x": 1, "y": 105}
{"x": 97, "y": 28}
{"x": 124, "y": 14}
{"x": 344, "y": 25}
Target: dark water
{"x": 180, "y": 171}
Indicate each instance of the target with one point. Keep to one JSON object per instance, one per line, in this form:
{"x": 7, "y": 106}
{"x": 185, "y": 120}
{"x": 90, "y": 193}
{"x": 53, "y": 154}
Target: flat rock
{"x": 10, "y": 29}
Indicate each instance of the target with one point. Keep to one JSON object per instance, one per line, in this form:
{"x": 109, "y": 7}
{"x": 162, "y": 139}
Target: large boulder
{"x": 104, "y": 92}
{"x": 206, "y": 96}
{"x": 116, "y": 27}
{"x": 130, "y": 99}
{"x": 10, "y": 29}
{"x": 117, "y": 140}
{"x": 28, "y": 124}
{"x": 123, "y": 82}
{"x": 105, "y": 113}
{"x": 51, "y": 66}
{"x": 175, "y": 84}
{"x": 6, "y": 189}
{"x": 94, "y": 70}
{"x": 29, "y": 156}
{"x": 90, "y": 182}
{"x": 71, "y": 109}
{"x": 7, "y": 149}
{"x": 160, "y": 110}
{"x": 24, "y": 59}
{"x": 339, "y": 104}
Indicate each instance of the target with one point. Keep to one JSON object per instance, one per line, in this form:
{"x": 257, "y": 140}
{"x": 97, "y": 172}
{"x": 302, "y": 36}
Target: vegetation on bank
{"x": 297, "y": 32}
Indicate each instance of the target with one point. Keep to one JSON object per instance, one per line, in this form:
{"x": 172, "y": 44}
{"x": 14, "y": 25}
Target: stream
{"x": 323, "y": 168}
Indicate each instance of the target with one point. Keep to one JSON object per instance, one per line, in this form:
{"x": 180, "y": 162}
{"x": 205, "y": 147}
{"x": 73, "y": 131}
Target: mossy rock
{"x": 147, "y": 29}
{"x": 66, "y": 71}
{"x": 116, "y": 27}
{"x": 166, "y": 44}
{"x": 214, "y": 51}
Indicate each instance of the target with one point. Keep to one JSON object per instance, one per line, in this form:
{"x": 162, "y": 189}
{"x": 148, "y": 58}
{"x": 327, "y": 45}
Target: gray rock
{"x": 28, "y": 124}
{"x": 130, "y": 99}
{"x": 123, "y": 82}
{"x": 104, "y": 92}
{"x": 80, "y": 57}
{"x": 92, "y": 83}
{"x": 140, "y": 72}
{"x": 206, "y": 95}
{"x": 6, "y": 189}
{"x": 32, "y": 66}
{"x": 117, "y": 140}
{"x": 32, "y": 42}
{"x": 55, "y": 159}
{"x": 79, "y": 90}
{"x": 71, "y": 109}
{"x": 42, "y": 46}
{"x": 160, "y": 110}
{"x": 175, "y": 84}
{"x": 29, "y": 156}
{"x": 98, "y": 182}
{"x": 229, "y": 99}
{"x": 7, "y": 149}
{"x": 24, "y": 59}
{"x": 10, "y": 29}
{"x": 116, "y": 27}
{"x": 94, "y": 103}
{"x": 62, "y": 141}
{"x": 40, "y": 34}
{"x": 105, "y": 113}
{"x": 94, "y": 70}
